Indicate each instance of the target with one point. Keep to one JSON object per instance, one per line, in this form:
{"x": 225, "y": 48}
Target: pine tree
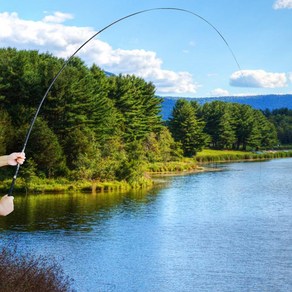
{"x": 186, "y": 129}
{"x": 219, "y": 124}
{"x": 137, "y": 105}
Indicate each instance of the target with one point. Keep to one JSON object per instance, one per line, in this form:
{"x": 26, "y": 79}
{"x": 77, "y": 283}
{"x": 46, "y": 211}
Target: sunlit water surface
{"x": 219, "y": 231}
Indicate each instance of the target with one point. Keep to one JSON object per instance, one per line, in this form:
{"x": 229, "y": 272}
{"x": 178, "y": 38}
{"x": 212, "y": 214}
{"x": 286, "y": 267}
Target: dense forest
{"x": 282, "y": 119}
{"x": 95, "y": 126}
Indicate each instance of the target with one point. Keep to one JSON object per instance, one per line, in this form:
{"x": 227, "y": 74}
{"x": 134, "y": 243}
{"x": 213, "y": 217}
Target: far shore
{"x": 210, "y": 157}
{"x": 200, "y": 169}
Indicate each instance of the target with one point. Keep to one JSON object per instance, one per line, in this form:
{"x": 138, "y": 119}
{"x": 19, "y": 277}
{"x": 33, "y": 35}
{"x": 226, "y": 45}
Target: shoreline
{"x": 202, "y": 166}
{"x": 179, "y": 168}
{"x": 184, "y": 172}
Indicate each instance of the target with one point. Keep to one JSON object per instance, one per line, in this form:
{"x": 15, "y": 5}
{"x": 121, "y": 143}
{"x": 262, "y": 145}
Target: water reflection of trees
{"x": 77, "y": 212}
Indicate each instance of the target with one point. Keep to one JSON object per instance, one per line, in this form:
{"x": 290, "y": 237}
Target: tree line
{"x": 91, "y": 126}
{"x": 95, "y": 126}
{"x": 282, "y": 119}
{"x": 220, "y": 125}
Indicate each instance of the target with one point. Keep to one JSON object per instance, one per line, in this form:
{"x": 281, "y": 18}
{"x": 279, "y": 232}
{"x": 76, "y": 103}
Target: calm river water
{"x": 218, "y": 231}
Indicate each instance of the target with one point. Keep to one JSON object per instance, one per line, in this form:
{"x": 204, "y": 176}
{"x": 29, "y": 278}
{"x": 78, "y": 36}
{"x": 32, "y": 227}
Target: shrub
{"x": 27, "y": 273}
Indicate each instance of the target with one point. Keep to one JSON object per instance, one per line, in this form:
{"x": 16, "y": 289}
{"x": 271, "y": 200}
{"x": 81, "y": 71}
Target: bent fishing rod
{"x": 86, "y": 42}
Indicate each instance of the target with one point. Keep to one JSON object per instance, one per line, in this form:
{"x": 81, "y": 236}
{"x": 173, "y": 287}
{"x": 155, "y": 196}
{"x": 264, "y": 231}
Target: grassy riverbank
{"x": 63, "y": 185}
{"x": 185, "y": 165}
{"x": 209, "y": 155}
{"x": 195, "y": 164}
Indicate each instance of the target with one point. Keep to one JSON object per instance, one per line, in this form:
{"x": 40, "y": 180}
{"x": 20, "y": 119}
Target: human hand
{"x": 6, "y": 205}
{"x": 16, "y": 158}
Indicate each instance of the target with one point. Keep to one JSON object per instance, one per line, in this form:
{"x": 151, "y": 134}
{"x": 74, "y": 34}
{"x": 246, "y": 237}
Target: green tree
{"x": 81, "y": 145}
{"x": 282, "y": 120}
{"x": 243, "y": 123}
{"x": 6, "y": 131}
{"x": 169, "y": 149}
{"x": 186, "y": 128}
{"x": 219, "y": 124}
{"x": 267, "y": 134}
{"x": 72, "y": 101}
{"x": 151, "y": 148}
{"x": 139, "y": 108}
{"x": 105, "y": 115}
{"x": 114, "y": 154}
{"x": 45, "y": 150}
{"x": 132, "y": 168}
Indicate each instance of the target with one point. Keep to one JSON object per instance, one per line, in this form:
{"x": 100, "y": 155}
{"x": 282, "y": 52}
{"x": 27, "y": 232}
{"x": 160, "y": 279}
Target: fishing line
{"x": 87, "y": 41}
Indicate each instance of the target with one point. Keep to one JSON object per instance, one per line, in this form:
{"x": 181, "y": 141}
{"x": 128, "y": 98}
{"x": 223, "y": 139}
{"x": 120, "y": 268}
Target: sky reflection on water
{"x": 220, "y": 231}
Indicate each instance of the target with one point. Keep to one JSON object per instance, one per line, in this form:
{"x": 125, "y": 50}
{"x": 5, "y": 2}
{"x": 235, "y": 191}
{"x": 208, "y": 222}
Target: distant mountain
{"x": 262, "y": 102}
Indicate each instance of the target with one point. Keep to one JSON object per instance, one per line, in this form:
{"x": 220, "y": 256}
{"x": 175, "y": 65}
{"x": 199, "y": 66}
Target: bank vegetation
{"x": 102, "y": 132}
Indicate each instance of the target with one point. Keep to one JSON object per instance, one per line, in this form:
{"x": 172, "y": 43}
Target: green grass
{"x": 209, "y": 155}
{"x": 63, "y": 185}
{"x": 221, "y": 152}
{"x": 187, "y": 164}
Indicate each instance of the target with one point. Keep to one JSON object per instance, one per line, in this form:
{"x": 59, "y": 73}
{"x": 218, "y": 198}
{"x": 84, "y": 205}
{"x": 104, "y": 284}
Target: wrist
{"x": 4, "y": 160}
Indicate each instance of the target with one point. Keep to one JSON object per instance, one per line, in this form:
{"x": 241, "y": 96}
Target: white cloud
{"x": 168, "y": 81}
{"x": 219, "y": 92}
{"x": 57, "y": 17}
{"x": 50, "y": 35}
{"x": 27, "y": 34}
{"x": 258, "y": 79}
{"x": 283, "y": 4}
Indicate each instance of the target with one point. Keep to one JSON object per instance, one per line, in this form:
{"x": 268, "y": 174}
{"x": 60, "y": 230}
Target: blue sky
{"x": 179, "y": 53}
